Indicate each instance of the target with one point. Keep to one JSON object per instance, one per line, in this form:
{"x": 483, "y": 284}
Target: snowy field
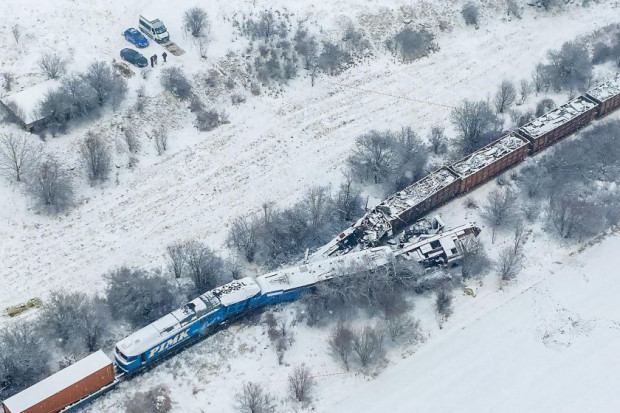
{"x": 273, "y": 149}
{"x": 550, "y": 347}
{"x": 535, "y": 346}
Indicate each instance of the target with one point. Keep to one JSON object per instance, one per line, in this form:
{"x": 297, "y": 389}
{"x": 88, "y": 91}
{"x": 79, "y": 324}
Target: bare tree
{"x": 567, "y": 214}
{"x": 474, "y": 259}
{"x": 500, "y": 208}
{"x": 131, "y": 139}
{"x": 173, "y": 79}
{"x": 301, "y": 383}
{"x": 253, "y": 398}
{"x": 401, "y": 327}
{"x": 96, "y": 323}
{"x": 51, "y": 185}
{"x": 8, "y": 79}
{"x": 109, "y": 86}
{"x": 52, "y": 65}
{"x": 96, "y": 156}
{"x": 508, "y": 263}
{"x": 341, "y": 342}
{"x": 24, "y": 358}
{"x": 17, "y": 34}
{"x": 18, "y": 155}
{"x": 243, "y": 236}
{"x": 368, "y": 345}
{"x": 476, "y": 124}
{"x": 570, "y": 67}
{"x": 374, "y": 157}
{"x": 75, "y": 321}
{"x": 540, "y": 78}
{"x": 505, "y": 96}
{"x": 443, "y": 303}
{"x": 141, "y": 99}
{"x": 195, "y": 21}
{"x": 437, "y": 139}
{"x": 348, "y": 200}
{"x": 176, "y": 259}
{"x": 525, "y": 89}
{"x": 205, "y": 268}
{"x": 160, "y": 136}
{"x": 140, "y": 297}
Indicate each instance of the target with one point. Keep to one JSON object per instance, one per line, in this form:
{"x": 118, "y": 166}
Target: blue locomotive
{"x": 210, "y": 309}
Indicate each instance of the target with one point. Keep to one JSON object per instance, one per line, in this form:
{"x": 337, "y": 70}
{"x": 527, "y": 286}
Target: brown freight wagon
{"x": 607, "y": 95}
{"x": 65, "y": 387}
{"x": 417, "y": 199}
{"x": 558, "y": 123}
{"x": 490, "y": 161}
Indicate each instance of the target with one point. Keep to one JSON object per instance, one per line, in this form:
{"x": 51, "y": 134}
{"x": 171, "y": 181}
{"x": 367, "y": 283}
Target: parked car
{"x": 154, "y": 28}
{"x": 134, "y": 57}
{"x": 134, "y": 36}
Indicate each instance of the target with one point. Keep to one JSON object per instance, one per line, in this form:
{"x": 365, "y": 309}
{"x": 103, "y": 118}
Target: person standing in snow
{"x": 155, "y": 58}
{"x": 151, "y": 61}
{"x": 164, "y": 55}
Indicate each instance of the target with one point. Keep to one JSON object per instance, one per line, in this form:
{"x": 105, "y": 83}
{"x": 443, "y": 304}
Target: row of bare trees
{"x": 255, "y": 398}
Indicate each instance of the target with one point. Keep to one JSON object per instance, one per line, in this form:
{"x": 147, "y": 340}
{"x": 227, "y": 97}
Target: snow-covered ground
{"x": 273, "y": 149}
{"x": 550, "y": 347}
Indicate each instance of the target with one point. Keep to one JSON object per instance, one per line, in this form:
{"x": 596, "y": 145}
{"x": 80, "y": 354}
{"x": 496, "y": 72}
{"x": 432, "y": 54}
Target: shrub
{"x": 173, "y": 80}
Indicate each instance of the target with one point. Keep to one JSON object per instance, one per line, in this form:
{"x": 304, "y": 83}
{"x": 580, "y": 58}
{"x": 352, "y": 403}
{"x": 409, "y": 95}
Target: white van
{"x": 155, "y": 29}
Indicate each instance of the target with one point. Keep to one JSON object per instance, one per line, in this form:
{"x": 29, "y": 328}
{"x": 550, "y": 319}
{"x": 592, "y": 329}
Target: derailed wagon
{"x": 607, "y": 95}
{"x": 560, "y": 122}
{"x": 490, "y": 161}
{"x": 398, "y": 211}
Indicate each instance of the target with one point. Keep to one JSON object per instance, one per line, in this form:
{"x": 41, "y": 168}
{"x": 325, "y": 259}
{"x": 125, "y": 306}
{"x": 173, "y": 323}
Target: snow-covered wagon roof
{"x": 310, "y": 273}
{"x": 558, "y": 116}
{"x": 55, "y": 383}
{"x": 418, "y": 191}
{"x": 28, "y": 100}
{"x": 606, "y": 90}
{"x": 489, "y": 154}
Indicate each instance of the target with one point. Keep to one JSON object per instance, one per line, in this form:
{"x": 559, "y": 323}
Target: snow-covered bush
{"x": 471, "y": 14}
{"x": 51, "y": 185}
{"x": 140, "y": 297}
{"x": 24, "y": 358}
{"x": 411, "y": 45}
{"x": 174, "y": 80}
{"x": 155, "y": 400}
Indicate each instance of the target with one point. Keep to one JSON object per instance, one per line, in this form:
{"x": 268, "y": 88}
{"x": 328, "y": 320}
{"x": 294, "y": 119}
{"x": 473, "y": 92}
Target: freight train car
{"x": 607, "y": 95}
{"x": 64, "y": 388}
{"x": 396, "y": 212}
{"x": 490, "y": 161}
{"x": 544, "y": 131}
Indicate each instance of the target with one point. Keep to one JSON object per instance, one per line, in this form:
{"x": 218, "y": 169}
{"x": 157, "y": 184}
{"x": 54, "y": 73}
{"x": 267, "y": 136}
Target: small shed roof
{"x": 28, "y": 100}
{"x": 48, "y": 387}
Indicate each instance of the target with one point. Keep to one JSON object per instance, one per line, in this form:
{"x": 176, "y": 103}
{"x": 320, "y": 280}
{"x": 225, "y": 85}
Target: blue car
{"x": 134, "y": 36}
{"x": 134, "y": 57}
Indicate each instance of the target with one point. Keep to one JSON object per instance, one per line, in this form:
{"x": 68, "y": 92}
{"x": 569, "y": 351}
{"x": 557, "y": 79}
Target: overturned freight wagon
{"x": 398, "y": 211}
{"x": 560, "y": 122}
{"x": 607, "y": 95}
{"x": 64, "y": 388}
{"x": 490, "y": 161}
{"x": 443, "y": 249}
